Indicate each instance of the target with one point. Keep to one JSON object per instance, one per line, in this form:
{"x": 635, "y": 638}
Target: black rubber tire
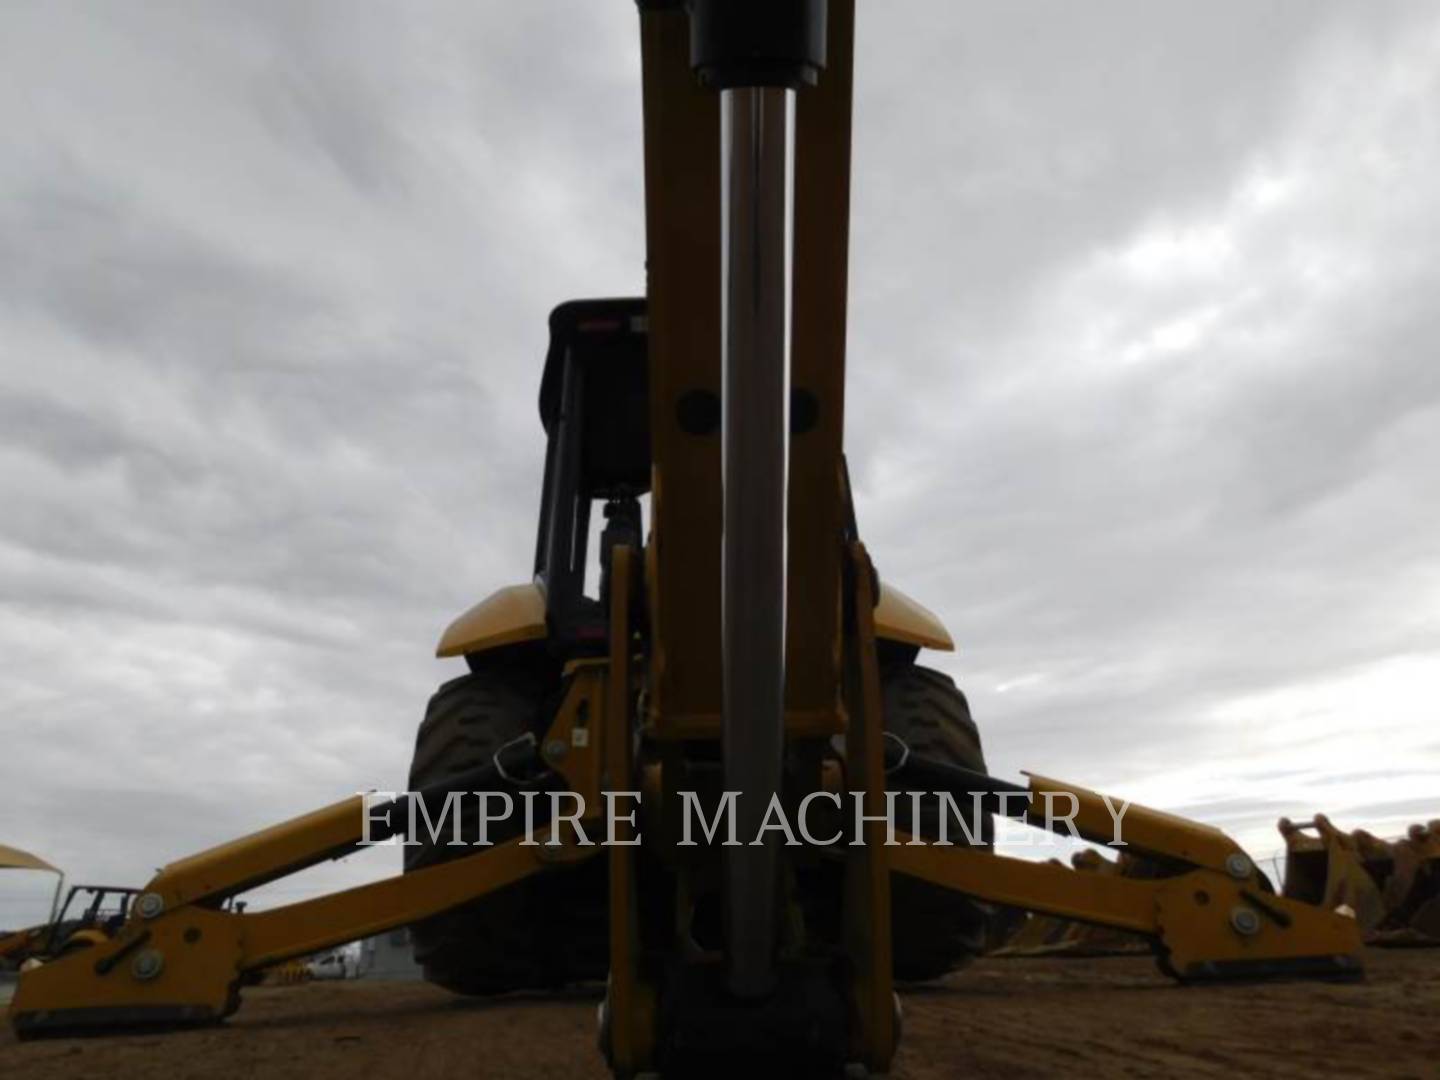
{"x": 551, "y": 930}
{"x": 537, "y": 934}
{"x": 933, "y": 930}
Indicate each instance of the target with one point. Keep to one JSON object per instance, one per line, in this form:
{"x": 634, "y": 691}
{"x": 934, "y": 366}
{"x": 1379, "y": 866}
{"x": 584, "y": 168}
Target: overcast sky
{"x": 1144, "y": 393}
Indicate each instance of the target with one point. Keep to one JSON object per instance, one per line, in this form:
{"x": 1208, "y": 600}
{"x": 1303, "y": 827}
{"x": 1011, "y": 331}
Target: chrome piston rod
{"x": 754, "y": 149}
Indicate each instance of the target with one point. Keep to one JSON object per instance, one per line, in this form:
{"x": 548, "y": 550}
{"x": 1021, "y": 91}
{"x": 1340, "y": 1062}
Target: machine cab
{"x": 594, "y": 405}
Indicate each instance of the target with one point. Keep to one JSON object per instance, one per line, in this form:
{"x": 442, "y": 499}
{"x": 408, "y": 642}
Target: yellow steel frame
{"x": 629, "y": 1026}
{"x": 819, "y": 276}
{"x": 682, "y": 213}
{"x": 682, "y": 244}
{"x": 867, "y": 880}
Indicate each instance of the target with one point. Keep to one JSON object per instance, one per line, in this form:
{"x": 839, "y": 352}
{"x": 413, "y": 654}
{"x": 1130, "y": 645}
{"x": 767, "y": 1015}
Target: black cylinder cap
{"x": 738, "y": 43}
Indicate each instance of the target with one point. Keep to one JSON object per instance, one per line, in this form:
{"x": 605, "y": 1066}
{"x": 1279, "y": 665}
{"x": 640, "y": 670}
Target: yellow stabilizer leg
{"x": 1215, "y": 918}
{"x": 183, "y": 965}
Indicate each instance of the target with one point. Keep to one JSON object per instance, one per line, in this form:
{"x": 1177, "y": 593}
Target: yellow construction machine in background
{"x": 1391, "y": 888}
{"x": 89, "y": 915}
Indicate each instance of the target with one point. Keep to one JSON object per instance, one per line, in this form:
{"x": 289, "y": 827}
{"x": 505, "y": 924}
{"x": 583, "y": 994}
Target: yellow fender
{"x": 85, "y": 939}
{"x": 516, "y": 614}
{"x": 899, "y": 618}
{"x": 507, "y": 616}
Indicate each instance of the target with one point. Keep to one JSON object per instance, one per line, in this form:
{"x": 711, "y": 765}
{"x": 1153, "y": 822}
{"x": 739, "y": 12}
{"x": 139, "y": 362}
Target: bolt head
{"x": 147, "y": 964}
{"x": 149, "y": 905}
{"x": 1238, "y": 866}
{"x": 1244, "y": 920}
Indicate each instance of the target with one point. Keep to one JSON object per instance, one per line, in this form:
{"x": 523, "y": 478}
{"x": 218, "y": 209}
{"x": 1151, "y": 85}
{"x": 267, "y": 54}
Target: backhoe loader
{"x": 739, "y": 654}
{"x": 90, "y": 916}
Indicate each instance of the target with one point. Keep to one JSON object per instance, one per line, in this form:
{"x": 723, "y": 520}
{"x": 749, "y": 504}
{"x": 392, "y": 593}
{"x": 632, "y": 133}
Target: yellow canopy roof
{"x": 14, "y": 859}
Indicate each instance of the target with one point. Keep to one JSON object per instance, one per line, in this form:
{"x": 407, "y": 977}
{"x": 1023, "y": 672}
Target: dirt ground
{"x": 1001, "y": 1018}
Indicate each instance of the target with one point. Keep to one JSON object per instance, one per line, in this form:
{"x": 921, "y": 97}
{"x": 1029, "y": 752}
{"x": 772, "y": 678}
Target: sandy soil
{"x": 1001, "y": 1018}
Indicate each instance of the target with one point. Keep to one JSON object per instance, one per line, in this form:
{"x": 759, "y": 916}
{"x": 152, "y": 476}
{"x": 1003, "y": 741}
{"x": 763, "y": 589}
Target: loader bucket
{"x": 1392, "y": 887}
